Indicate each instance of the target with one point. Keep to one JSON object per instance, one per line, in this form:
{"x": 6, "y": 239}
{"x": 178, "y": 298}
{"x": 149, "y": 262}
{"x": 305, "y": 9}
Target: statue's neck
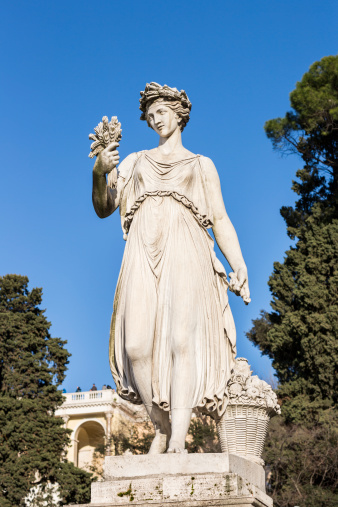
{"x": 172, "y": 144}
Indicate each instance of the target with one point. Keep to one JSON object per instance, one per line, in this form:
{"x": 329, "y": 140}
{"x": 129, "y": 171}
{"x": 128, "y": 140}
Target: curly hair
{"x": 171, "y": 97}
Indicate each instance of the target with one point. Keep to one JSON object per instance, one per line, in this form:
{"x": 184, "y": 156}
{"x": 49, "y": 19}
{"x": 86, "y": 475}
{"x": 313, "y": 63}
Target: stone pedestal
{"x": 180, "y": 480}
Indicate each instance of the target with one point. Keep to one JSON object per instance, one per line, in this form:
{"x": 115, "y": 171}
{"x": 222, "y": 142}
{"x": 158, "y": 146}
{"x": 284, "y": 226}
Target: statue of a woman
{"x": 173, "y": 339}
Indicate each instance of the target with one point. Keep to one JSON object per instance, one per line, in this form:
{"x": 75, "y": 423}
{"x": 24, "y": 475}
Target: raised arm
{"x": 105, "y": 198}
{"x": 223, "y": 229}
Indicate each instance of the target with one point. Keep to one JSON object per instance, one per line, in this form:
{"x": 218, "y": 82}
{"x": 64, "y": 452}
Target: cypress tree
{"x": 32, "y": 367}
{"x": 300, "y": 331}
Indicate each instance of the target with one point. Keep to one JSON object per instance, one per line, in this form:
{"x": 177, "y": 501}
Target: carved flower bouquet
{"x": 105, "y": 133}
{"x": 243, "y": 426}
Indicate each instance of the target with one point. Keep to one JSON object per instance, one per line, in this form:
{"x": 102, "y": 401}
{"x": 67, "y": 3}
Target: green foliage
{"x": 135, "y": 438}
{"x": 311, "y": 130}
{"x": 258, "y": 334}
{"x": 74, "y": 483}
{"x": 202, "y": 435}
{"x": 32, "y": 367}
{"x": 303, "y": 462}
{"x": 300, "y": 332}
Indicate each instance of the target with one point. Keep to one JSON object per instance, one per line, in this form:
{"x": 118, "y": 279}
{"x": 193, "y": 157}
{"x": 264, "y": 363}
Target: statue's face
{"x": 162, "y": 119}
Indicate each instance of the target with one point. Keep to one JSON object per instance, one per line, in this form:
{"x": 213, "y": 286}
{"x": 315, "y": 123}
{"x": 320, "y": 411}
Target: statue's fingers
{"x": 241, "y": 279}
{"x": 245, "y": 292}
{"x": 113, "y": 155}
{"x": 112, "y": 146}
{"x": 113, "y": 163}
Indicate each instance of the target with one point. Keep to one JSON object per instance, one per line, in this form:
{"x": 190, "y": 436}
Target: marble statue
{"x": 173, "y": 338}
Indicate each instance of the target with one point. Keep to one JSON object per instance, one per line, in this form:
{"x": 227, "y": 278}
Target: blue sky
{"x": 65, "y": 64}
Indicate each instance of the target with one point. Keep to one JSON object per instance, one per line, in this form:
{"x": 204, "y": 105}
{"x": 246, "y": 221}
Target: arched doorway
{"x": 90, "y": 436}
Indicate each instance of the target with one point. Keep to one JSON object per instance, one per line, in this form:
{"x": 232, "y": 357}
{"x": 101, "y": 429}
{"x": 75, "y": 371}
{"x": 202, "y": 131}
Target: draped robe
{"x": 165, "y": 213}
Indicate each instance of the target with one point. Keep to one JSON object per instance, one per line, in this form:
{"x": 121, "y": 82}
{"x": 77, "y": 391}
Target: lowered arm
{"x": 223, "y": 229}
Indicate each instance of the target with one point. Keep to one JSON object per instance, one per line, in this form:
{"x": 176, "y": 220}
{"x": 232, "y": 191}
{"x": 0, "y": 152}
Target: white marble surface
{"x": 183, "y": 490}
{"x": 193, "y": 480}
{"x": 171, "y": 317}
{"x": 164, "y": 464}
{"x": 121, "y": 467}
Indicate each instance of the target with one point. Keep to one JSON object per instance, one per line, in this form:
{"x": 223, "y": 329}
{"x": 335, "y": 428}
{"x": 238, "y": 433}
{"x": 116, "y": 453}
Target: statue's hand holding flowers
{"x": 108, "y": 159}
{"x": 106, "y": 138}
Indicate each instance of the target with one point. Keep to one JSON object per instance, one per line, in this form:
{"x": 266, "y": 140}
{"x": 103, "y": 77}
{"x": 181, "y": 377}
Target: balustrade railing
{"x": 91, "y": 396}
{"x": 106, "y": 397}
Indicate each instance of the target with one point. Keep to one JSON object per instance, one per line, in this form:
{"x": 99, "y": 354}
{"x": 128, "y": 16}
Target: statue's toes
{"x": 177, "y": 450}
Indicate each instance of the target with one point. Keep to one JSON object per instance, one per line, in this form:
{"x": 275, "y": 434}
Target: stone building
{"x": 93, "y": 417}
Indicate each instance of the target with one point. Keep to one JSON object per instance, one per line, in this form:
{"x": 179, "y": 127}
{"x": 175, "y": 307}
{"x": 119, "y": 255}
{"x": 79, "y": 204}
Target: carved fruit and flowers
{"x": 245, "y": 389}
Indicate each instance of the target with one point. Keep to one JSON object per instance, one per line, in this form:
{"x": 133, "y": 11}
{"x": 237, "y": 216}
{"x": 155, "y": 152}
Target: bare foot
{"x": 176, "y": 447}
{"x": 159, "y": 444}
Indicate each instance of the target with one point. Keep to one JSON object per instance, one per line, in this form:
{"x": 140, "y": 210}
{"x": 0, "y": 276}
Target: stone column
{"x": 75, "y": 447}
{"x": 108, "y": 416}
{"x": 65, "y": 422}
{"x": 65, "y": 419}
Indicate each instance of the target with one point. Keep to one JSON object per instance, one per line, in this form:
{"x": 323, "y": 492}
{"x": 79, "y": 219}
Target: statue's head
{"x": 177, "y": 101}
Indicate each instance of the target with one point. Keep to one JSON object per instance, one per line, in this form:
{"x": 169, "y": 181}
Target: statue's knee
{"x": 135, "y": 350}
{"x": 180, "y": 345}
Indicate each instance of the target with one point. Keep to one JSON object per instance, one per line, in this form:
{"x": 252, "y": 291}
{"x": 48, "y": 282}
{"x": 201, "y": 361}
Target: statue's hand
{"x": 239, "y": 284}
{"x": 242, "y": 277}
{"x": 107, "y": 160}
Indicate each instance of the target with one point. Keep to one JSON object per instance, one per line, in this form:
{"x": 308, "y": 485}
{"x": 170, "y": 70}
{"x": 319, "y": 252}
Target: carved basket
{"x": 243, "y": 426}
